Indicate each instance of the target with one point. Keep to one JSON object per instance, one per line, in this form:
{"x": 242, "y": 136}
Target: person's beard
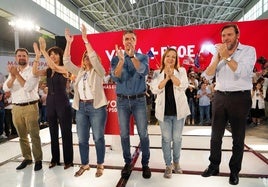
{"x": 22, "y": 62}
{"x": 233, "y": 45}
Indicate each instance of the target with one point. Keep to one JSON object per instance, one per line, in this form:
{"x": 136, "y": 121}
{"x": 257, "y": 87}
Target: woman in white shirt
{"x": 171, "y": 108}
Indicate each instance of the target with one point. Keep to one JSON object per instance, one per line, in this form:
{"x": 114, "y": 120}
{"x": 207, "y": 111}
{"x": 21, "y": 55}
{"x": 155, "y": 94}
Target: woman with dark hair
{"x": 89, "y": 101}
{"x": 171, "y": 107}
{"x": 59, "y": 111}
{"x": 258, "y": 105}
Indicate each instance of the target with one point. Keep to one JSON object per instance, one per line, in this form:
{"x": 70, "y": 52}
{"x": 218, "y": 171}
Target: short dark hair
{"x": 231, "y": 25}
{"x": 129, "y": 32}
{"x": 22, "y": 49}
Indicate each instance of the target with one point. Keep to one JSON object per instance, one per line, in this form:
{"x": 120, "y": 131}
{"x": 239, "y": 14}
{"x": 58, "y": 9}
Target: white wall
{"x": 10, "y": 60}
{"x": 42, "y": 17}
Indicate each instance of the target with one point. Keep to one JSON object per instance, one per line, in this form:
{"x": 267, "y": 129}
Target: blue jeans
{"x": 191, "y": 104}
{"x": 44, "y": 113}
{"x": 137, "y": 108}
{"x": 88, "y": 117}
{"x": 204, "y": 110}
{"x": 171, "y": 130}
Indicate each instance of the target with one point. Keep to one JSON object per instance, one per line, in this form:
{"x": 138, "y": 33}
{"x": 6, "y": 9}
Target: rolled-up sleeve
{"x": 30, "y": 83}
{"x": 144, "y": 66}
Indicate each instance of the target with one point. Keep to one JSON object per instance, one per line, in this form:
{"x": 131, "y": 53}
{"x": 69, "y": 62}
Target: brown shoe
{"x": 99, "y": 171}
{"x": 52, "y": 165}
{"x": 66, "y": 166}
{"x": 81, "y": 170}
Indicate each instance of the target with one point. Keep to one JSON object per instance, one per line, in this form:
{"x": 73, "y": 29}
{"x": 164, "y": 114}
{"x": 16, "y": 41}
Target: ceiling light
{"x": 132, "y": 1}
{"x": 23, "y": 24}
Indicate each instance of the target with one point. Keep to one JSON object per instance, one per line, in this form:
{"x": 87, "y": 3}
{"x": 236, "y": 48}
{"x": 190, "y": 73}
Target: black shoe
{"x": 146, "y": 172}
{"x": 126, "y": 171}
{"x": 24, "y": 164}
{"x": 38, "y": 165}
{"x": 210, "y": 172}
{"x": 234, "y": 179}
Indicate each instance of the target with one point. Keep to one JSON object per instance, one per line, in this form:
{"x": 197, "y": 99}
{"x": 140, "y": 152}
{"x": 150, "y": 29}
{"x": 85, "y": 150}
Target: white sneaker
{"x": 3, "y": 136}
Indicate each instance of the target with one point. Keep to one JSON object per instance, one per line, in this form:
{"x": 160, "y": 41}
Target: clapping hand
{"x": 36, "y": 51}
{"x": 84, "y": 33}
{"x": 42, "y": 44}
{"x": 13, "y": 70}
{"x": 168, "y": 72}
{"x": 222, "y": 50}
{"x": 69, "y": 38}
{"x": 119, "y": 52}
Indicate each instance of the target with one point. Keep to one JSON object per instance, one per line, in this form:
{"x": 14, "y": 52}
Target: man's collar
{"x": 24, "y": 67}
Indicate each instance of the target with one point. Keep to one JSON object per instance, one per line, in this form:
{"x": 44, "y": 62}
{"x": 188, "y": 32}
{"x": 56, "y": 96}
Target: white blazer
{"x": 182, "y": 106}
{"x": 94, "y": 80}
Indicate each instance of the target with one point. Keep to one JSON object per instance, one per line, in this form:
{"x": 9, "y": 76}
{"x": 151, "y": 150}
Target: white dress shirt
{"x": 27, "y": 93}
{"x": 241, "y": 79}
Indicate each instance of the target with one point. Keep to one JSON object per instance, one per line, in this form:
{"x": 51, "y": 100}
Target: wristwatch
{"x": 228, "y": 59}
{"x": 132, "y": 56}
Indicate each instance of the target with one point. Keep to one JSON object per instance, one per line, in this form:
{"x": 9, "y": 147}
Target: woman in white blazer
{"x": 171, "y": 107}
{"x": 89, "y": 101}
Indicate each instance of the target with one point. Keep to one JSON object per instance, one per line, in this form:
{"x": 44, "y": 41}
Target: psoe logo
{"x": 111, "y": 106}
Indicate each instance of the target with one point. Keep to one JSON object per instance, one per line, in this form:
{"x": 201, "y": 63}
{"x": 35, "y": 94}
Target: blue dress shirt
{"x": 132, "y": 81}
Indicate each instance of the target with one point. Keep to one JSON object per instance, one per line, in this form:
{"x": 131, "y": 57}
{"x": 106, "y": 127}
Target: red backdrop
{"x": 188, "y": 40}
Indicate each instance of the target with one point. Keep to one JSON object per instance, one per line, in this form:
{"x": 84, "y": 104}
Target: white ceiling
{"x": 112, "y": 15}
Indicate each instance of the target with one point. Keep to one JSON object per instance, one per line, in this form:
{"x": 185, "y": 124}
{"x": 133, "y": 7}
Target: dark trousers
{"x": 59, "y": 113}
{"x": 233, "y": 108}
{"x": 9, "y": 123}
{"x": 2, "y": 116}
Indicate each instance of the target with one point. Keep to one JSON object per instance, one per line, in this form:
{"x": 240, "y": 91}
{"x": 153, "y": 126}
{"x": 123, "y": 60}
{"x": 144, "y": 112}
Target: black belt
{"x": 25, "y": 104}
{"x": 233, "y": 92}
{"x": 131, "y": 96}
{"x": 86, "y": 101}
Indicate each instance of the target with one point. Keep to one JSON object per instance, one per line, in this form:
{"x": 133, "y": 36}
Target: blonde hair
{"x": 86, "y": 55}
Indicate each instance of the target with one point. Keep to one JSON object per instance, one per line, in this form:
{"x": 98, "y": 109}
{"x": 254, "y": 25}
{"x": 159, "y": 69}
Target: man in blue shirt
{"x": 129, "y": 70}
{"x": 233, "y": 67}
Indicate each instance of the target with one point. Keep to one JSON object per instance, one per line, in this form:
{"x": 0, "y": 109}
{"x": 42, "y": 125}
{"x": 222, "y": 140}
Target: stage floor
{"x": 194, "y": 159}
